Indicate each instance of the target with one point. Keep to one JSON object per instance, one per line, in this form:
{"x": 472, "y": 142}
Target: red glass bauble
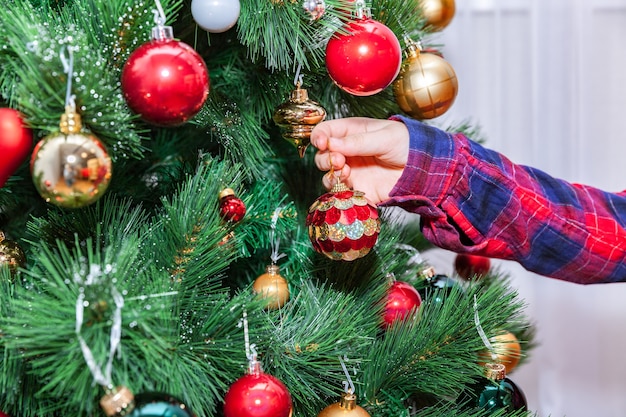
{"x": 232, "y": 208}
{"x": 3, "y": 414}
{"x": 364, "y": 57}
{"x": 402, "y": 298}
{"x": 257, "y": 395}
{"x": 470, "y": 266}
{"x": 16, "y": 141}
{"x": 165, "y": 81}
{"x": 342, "y": 224}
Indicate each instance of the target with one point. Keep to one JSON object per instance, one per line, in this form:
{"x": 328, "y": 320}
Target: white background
{"x": 546, "y": 82}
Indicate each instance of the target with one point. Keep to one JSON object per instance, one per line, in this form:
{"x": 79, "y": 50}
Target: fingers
{"x": 340, "y": 128}
{"x": 359, "y": 136}
{"x": 323, "y": 160}
{"x": 333, "y": 177}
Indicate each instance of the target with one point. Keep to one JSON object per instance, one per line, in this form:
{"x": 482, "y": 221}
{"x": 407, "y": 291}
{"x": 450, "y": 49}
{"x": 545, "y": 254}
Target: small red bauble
{"x": 232, "y": 209}
{"x": 165, "y": 81}
{"x": 16, "y": 141}
{"x": 402, "y": 298}
{"x": 342, "y": 224}
{"x": 470, "y": 266}
{"x": 257, "y": 395}
{"x": 3, "y": 415}
{"x": 364, "y": 58}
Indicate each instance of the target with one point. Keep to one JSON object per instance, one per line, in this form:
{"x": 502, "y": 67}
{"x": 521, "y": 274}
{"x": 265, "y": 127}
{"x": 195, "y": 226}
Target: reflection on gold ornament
{"x": 71, "y": 168}
{"x": 297, "y": 117}
{"x": 438, "y": 13}
{"x": 427, "y": 85}
{"x": 272, "y": 287}
{"x": 507, "y": 351}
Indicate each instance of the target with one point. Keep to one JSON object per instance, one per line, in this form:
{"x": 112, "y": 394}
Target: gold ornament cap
{"x": 495, "y": 371}
{"x": 348, "y": 401}
{"x": 70, "y": 121}
{"x": 226, "y": 192}
{"x": 118, "y": 402}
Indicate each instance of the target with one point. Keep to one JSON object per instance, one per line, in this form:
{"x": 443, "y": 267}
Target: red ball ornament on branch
{"x": 257, "y": 394}
{"x": 364, "y": 57}
{"x": 16, "y": 141}
{"x": 165, "y": 80}
{"x": 402, "y": 299}
{"x": 470, "y": 266}
{"x": 232, "y": 208}
{"x": 342, "y": 224}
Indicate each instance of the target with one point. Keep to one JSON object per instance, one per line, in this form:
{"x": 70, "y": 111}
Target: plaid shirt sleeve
{"x": 472, "y": 199}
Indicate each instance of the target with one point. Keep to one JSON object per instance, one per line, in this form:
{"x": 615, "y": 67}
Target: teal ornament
{"x": 494, "y": 392}
{"x": 159, "y": 405}
{"x": 438, "y": 287}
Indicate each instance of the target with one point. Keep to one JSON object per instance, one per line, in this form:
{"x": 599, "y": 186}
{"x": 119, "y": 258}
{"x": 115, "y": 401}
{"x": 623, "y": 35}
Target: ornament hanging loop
{"x": 481, "y": 332}
{"x": 160, "y": 31}
{"x": 348, "y": 385}
{"x": 68, "y": 68}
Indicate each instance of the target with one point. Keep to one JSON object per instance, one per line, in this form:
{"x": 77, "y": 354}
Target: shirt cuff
{"x": 429, "y": 170}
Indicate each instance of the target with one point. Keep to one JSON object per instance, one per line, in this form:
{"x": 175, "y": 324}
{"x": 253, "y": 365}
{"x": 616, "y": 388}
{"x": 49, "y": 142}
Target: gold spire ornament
{"x": 297, "y": 117}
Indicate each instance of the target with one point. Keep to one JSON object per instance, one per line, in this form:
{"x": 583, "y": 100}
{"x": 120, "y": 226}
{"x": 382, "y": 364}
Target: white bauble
{"x": 215, "y": 16}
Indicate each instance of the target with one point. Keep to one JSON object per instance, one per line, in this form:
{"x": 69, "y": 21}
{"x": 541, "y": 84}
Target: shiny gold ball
{"x": 427, "y": 85}
{"x": 272, "y": 288}
{"x": 71, "y": 170}
{"x": 11, "y": 254}
{"x": 438, "y": 13}
{"x": 346, "y": 407}
{"x": 507, "y": 349}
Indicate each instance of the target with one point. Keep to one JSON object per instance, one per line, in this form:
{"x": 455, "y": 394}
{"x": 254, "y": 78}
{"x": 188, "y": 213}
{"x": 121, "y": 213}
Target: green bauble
{"x": 494, "y": 392}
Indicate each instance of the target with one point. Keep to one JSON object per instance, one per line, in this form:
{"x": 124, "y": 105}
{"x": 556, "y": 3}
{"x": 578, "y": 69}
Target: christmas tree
{"x": 156, "y": 190}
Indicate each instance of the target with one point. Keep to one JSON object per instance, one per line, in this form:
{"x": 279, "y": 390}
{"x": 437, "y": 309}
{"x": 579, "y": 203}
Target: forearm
{"x": 471, "y": 199}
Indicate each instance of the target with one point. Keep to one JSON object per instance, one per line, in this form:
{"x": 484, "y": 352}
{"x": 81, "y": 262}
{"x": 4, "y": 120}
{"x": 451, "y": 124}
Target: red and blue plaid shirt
{"x": 472, "y": 199}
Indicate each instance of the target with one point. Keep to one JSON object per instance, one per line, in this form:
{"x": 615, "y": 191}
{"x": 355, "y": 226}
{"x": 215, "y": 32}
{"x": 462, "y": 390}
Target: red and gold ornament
{"x": 469, "y": 266}
{"x": 16, "y": 141}
{"x": 401, "y": 300}
{"x": 257, "y": 394}
{"x": 232, "y": 208}
{"x": 363, "y": 57}
{"x": 165, "y": 81}
{"x": 343, "y": 224}
{"x": 272, "y": 287}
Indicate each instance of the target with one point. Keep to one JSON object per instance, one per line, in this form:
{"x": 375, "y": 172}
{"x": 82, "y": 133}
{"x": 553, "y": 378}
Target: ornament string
{"x": 159, "y": 14}
{"x": 298, "y": 79}
{"x": 481, "y": 332}
{"x": 274, "y": 240}
{"x": 348, "y": 385}
{"x": 68, "y": 68}
{"x": 101, "y": 377}
{"x": 251, "y": 352}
